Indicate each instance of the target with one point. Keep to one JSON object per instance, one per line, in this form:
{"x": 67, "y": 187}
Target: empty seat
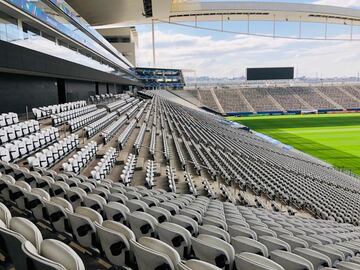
{"x": 20, "y": 231}
{"x": 290, "y": 261}
{"x": 186, "y": 222}
{"x": 253, "y": 261}
{"x": 58, "y": 210}
{"x": 214, "y": 231}
{"x": 213, "y": 250}
{"x": 136, "y": 205}
{"x": 116, "y": 211}
{"x": 317, "y": 259}
{"x": 5, "y": 215}
{"x": 176, "y": 236}
{"x": 114, "y": 239}
{"x": 196, "y": 265}
{"x": 273, "y": 243}
{"x": 334, "y": 254}
{"x": 83, "y": 227}
{"x": 161, "y": 214}
{"x": 294, "y": 241}
{"x": 53, "y": 253}
{"x": 152, "y": 254}
{"x": 237, "y": 230}
{"x": 35, "y": 202}
{"x": 244, "y": 244}
{"x": 142, "y": 224}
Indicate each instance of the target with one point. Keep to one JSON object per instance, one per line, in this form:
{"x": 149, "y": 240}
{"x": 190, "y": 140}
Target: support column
{"x": 153, "y": 41}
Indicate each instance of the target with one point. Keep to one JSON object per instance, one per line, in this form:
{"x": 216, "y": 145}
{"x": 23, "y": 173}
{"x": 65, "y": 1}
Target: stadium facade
{"x": 50, "y": 55}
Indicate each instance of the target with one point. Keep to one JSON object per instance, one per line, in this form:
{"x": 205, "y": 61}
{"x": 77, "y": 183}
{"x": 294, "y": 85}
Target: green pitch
{"x": 334, "y": 138}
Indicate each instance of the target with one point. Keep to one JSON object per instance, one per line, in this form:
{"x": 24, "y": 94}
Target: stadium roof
{"x": 132, "y": 12}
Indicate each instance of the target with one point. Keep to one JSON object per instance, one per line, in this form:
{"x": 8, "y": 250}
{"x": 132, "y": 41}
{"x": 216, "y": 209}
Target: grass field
{"x": 334, "y": 138}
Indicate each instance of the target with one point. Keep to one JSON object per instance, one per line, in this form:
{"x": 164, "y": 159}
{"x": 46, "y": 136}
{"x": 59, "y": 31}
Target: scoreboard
{"x": 272, "y": 73}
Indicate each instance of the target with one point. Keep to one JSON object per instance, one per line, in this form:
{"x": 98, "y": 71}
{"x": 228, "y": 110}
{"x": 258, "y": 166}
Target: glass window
{"x": 9, "y": 30}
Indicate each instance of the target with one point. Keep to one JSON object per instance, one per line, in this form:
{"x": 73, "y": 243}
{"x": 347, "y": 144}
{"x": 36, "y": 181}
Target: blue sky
{"x": 212, "y": 53}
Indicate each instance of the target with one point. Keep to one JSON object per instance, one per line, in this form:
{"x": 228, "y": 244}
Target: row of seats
{"x": 267, "y": 99}
{"x": 191, "y": 184}
{"x": 99, "y": 124}
{"x": 125, "y": 135}
{"x": 140, "y": 139}
{"x": 105, "y": 97}
{"x": 152, "y": 147}
{"x": 25, "y": 146}
{"x": 19, "y": 130}
{"x": 111, "y": 130}
{"x": 252, "y": 164}
{"x": 23, "y": 243}
{"x": 122, "y": 110}
{"x": 8, "y": 119}
{"x": 171, "y": 178}
{"x": 129, "y": 168}
{"x": 220, "y": 233}
{"x": 179, "y": 152}
{"x": 227, "y": 194}
{"x": 115, "y": 105}
{"x": 47, "y": 111}
{"x": 207, "y": 187}
{"x": 81, "y": 159}
{"x": 166, "y": 146}
{"x": 87, "y": 225}
{"x": 134, "y": 108}
{"x": 105, "y": 165}
{"x": 77, "y": 220}
{"x": 79, "y": 122}
{"x": 55, "y": 152}
{"x": 62, "y": 117}
{"x": 151, "y": 171}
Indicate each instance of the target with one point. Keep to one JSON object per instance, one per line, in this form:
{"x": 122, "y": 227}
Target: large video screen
{"x": 273, "y": 73}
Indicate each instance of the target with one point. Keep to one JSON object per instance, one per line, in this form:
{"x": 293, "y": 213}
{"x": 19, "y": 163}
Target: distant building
{"x": 161, "y": 78}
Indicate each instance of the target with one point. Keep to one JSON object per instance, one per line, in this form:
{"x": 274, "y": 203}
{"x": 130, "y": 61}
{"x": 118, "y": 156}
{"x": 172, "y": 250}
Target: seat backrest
{"x": 161, "y": 247}
{"x": 238, "y": 230}
{"x": 116, "y": 211}
{"x": 114, "y": 244}
{"x": 90, "y": 214}
{"x": 148, "y": 259}
{"x": 61, "y": 253}
{"x": 213, "y": 250}
{"x": 186, "y": 222}
{"x": 83, "y": 229}
{"x": 161, "y": 214}
{"x": 273, "y": 243}
{"x": 142, "y": 224}
{"x": 316, "y": 258}
{"x": 253, "y": 261}
{"x": 197, "y": 265}
{"x": 244, "y": 244}
{"x": 118, "y": 227}
{"x": 290, "y": 261}
{"x": 35, "y": 261}
{"x": 5, "y": 214}
{"x": 334, "y": 254}
{"x": 215, "y": 231}
{"x": 28, "y": 230}
{"x": 11, "y": 243}
{"x": 176, "y": 236}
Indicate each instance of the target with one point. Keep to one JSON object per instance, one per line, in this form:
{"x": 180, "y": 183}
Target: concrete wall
{"x": 19, "y": 91}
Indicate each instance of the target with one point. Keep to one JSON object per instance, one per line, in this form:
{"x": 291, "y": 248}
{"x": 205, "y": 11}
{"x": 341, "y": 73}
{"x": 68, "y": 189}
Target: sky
{"x": 218, "y": 54}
